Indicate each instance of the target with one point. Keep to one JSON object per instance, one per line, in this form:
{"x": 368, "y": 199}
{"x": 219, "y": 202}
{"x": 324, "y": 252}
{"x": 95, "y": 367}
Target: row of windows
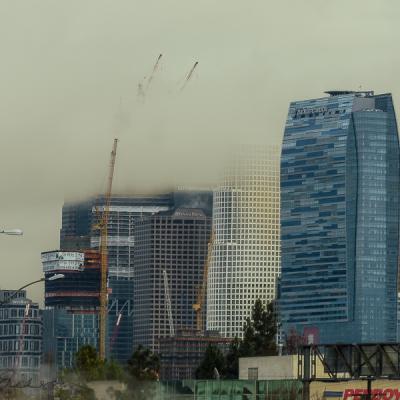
{"x": 15, "y": 329}
{"x": 14, "y": 345}
{"x": 7, "y": 313}
{"x": 24, "y": 361}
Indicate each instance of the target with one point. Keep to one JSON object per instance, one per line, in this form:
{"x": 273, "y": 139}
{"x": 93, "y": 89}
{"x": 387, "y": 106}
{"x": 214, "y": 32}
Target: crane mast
{"x": 168, "y": 303}
{"x": 201, "y": 292}
{"x": 104, "y": 256}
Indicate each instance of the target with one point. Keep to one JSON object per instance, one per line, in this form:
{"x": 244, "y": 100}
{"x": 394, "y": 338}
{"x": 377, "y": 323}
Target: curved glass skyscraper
{"x": 246, "y": 257}
{"x": 340, "y": 218}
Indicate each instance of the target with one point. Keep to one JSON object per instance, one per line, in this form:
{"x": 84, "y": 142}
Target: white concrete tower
{"x": 246, "y": 252}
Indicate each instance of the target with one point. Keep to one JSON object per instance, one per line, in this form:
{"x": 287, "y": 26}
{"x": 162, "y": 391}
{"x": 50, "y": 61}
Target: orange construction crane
{"x": 103, "y": 227}
{"x": 201, "y": 291}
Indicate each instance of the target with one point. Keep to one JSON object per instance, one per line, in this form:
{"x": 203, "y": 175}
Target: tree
{"x": 144, "y": 364}
{"x": 232, "y": 359}
{"x": 293, "y": 341}
{"x": 143, "y": 370}
{"x": 87, "y": 362}
{"x": 212, "y": 363}
{"x": 89, "y": 367}
{"x": 259, "y": 331}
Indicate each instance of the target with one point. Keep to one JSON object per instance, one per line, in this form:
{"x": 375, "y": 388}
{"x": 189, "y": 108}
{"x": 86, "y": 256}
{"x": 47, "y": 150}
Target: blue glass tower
{"x": 340, "y": 218}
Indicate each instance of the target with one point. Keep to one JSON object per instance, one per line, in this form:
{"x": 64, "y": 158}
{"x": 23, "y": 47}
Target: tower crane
{"x": 103, "y": 228}
{"x": 168, "y": 303}
{"x": 189, "y": 75}
{"x": 201, "y": 291}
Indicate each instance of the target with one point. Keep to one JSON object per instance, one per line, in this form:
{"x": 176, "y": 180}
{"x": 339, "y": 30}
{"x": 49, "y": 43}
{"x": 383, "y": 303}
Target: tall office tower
{"x": 20, "y": 338}
{"x": 78, "y": 233}
{"x": 170, "y": 253}
{"x": 70, "y": 318}
{"x": 340, "y": 218}
{"x": 246, "y": 255}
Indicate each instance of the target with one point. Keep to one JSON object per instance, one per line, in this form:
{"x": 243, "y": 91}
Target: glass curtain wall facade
{"x": 70, "y": 318}
{"x": 65, "y": 332}
{"x": 340, "y": 218}
{"x": 246, "y": 249}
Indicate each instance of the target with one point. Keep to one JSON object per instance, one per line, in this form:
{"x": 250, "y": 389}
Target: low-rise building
{"x": 20, "y": 338}
{"x": 273, "y": 368}
{"x": 181, "y": 354}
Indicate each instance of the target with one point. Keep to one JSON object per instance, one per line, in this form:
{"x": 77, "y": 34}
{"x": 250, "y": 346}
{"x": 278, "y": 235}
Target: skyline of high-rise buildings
{"x": 340, "y": 218}
{"x": 245, "y": 261}
{"x": 322, "y": 216}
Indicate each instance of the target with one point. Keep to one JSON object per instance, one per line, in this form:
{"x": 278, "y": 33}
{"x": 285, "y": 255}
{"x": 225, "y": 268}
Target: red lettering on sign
{"x": 387, "y": 394}
{"x": 348, "y": 393}
{"x": 358, "y": 393}
{"x": 397, "y": 394}
{"x": 377, "y": 394}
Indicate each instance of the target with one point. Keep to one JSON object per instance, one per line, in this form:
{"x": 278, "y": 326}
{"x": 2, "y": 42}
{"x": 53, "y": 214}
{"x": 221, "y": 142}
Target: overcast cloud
{"x": 69, "y": 72}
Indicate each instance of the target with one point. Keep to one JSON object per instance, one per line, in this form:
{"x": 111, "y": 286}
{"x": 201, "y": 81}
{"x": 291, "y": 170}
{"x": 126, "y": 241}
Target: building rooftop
{"x": 363, "y": 93}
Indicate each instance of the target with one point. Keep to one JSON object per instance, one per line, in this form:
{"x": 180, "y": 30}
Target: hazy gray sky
{"x": 65, "y": 65}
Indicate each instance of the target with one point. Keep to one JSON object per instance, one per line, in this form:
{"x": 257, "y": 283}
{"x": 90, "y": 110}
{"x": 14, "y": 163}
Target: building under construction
{"x": 71, "y": 305}
{"x": 125, "y": 213}
{"x": 182, "y": 353}
{"x": 80, "y": 287}
{"x": 78, "y": 222}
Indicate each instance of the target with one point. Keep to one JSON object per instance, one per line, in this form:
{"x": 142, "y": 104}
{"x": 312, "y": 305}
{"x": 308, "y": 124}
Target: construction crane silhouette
{"x": 201, "y": 291}
{"x": 189, "y": 75}
{"x": 102, "y": 226}
{"x": 142, "y": 88}
{"x": 155, "y": 68}
{"x": 168, "y": 303}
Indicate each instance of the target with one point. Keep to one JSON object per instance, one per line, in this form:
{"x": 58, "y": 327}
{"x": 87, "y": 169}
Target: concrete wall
{"x": 272, "y": 367}
{"x": 275, "y": 367}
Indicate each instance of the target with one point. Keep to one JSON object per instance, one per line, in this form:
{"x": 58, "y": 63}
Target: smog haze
{"x": 70, "y": 71}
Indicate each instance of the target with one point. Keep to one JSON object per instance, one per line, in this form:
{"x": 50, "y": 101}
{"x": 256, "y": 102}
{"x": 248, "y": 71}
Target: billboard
{"x": 62, "y": 260}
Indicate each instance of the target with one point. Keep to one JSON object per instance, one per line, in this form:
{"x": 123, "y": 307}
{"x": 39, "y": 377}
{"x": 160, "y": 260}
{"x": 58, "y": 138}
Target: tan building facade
{"x": 273, "y": 367}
